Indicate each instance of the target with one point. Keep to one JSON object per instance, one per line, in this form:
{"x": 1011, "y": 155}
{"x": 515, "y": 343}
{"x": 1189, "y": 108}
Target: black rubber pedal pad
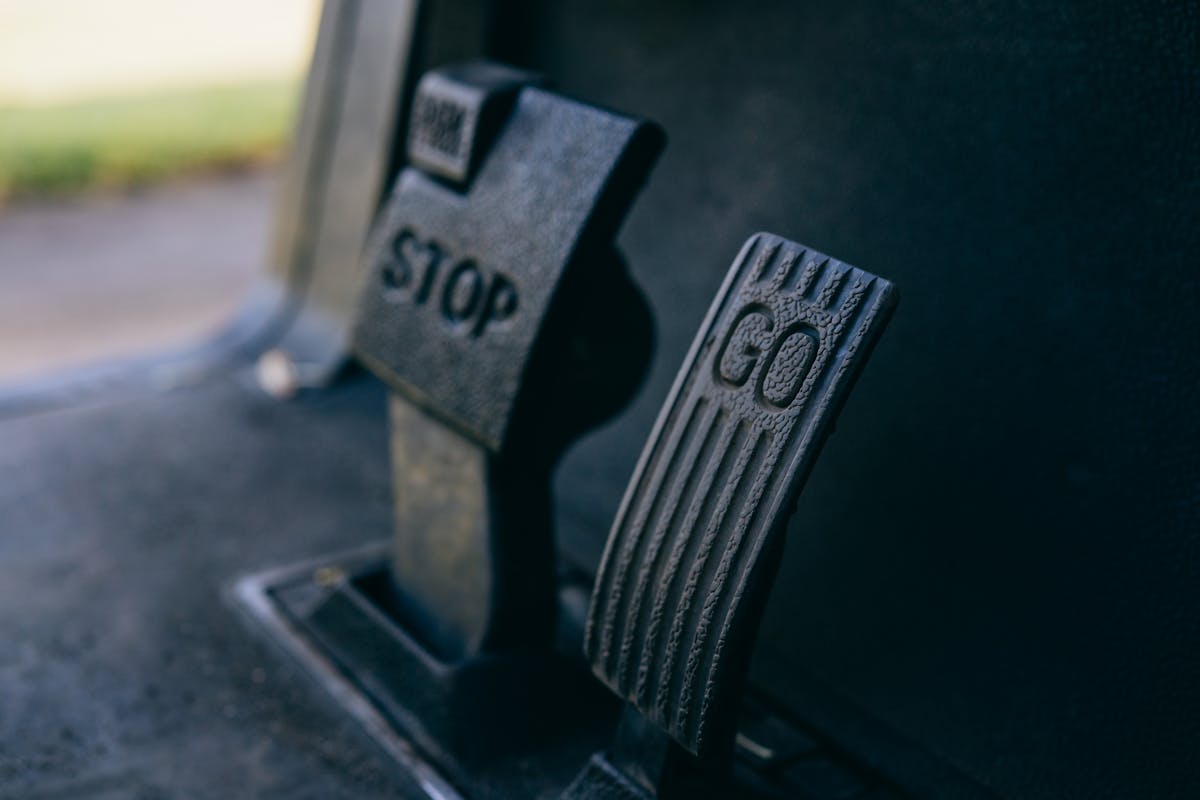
{"x": 695, "y": 545}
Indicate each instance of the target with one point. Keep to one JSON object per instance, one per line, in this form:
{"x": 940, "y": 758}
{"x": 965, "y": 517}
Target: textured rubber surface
{"x": 468, "y": 279}
{"x": 704, "y": 514}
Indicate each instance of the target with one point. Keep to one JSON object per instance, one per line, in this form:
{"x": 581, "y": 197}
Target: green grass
{"x": 135, "y": 140}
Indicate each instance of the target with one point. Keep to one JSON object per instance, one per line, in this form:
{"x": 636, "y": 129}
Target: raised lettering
{"x": 786, "y": 367}
{"x": 749, "y": 327}
{"x": 462, "y": 292}
{"x": 470, "y": 298}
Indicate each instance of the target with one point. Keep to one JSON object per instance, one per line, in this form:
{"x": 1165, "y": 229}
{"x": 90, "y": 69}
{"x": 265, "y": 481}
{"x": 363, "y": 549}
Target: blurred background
{"x": 139, "y": 141}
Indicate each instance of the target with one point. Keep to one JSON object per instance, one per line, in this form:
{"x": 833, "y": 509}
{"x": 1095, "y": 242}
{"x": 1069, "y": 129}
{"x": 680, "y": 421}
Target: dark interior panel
{"x": 996, "y": 557}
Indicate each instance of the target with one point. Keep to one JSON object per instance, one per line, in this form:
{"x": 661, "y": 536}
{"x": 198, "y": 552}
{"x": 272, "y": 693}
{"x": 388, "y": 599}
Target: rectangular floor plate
{"x": 474, "y": 728}
{"x": 258, "y": 596}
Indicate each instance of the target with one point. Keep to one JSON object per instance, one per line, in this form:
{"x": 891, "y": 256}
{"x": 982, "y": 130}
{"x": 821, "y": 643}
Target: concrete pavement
{"x": 119, "y": 275}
